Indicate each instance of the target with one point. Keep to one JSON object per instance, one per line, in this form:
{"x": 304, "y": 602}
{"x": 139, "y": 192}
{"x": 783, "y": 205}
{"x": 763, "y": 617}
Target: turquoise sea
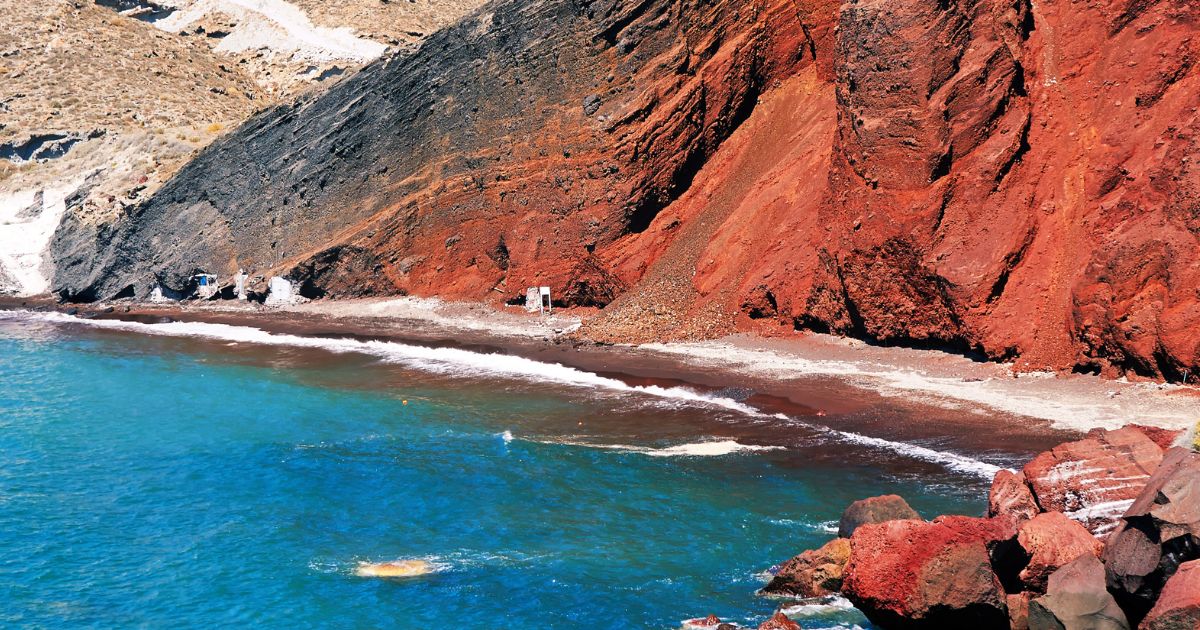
{"x": 216, "y": 476}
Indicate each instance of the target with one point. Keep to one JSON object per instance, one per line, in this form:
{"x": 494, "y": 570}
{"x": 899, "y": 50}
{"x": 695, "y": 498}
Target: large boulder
{"x": 814, "y": 573}
{"x": 1076, "y": 599}
{"x": 1051, "y": 540}
{"x": 1160, "y": 530}
{"x": 1010, "y": 494}
{"x": 1096, "y": 479}
{"x": 1133, "y": 562}
{"x": 1171, "y": 498}
{"x": 889, "y": 507}
{"x": 917, "y": 574}
{"x": 1178, "y": 606}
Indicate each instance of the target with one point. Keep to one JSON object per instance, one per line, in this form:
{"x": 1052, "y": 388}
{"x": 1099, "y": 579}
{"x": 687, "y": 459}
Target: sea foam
{"x": 708, "y": 448}
{"x": 458, "y": 362}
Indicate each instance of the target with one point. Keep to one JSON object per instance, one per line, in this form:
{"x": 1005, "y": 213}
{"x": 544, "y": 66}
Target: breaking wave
{"x": 709, "y": 448}
{"x": 458, "y": 362}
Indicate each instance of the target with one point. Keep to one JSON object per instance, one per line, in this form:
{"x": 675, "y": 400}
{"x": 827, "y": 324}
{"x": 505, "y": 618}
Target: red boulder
{"x": 1018, "y": 610}
{"x": 814, "y": 573}
{"x": 1164, "y": 438}
{"x": 1010, "y": 494}
{"x": 711, "y": 621}
{"x": 779, "y": 621}
{"x": 1096, "y": 479}
{"x": 1178, "y": 606}
{"x": 911, "y": 573}
{"x": 1051, "y": 540}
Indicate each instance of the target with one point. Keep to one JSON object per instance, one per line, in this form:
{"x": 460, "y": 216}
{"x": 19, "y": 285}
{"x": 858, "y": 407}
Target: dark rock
{"x": 1178, "y": 607}
{"x": 1161, "y": 530}
{"x": 917, "y": 574}
{"x": 814, "y": 573}
{"x": 1132, "y": 562}
{"x": 591, "y": 104}
{"x": 888, "y": 507}
{"x": 1076, "y": 599}
{"x": 1010, "y": 494}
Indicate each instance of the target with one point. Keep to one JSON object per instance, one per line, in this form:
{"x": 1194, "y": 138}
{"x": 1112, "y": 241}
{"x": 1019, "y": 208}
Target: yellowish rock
{"x": 399, "y": 569}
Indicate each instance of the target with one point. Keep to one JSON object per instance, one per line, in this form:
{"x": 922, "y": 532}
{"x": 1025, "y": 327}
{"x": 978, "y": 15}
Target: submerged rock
{"x": 1051, "y": 540}
{"x": 402, "y": 568}
{"x": 889, "y": 507}
{"x": 912, "y": 573}
{"x": 1178, "y": 607}
{"x": 814, "y": 573}
{"x": 1076, "y": 599}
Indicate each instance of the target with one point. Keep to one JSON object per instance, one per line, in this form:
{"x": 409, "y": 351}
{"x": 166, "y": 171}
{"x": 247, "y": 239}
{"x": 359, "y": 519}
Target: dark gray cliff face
{"x": 510, "y": 145}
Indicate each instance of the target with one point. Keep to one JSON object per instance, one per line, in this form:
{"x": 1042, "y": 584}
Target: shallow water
{"x": 229, "y": 479}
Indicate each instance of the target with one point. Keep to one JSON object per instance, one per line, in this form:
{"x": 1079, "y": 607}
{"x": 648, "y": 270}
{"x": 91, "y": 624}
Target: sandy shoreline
{"x": 775, "y": 366}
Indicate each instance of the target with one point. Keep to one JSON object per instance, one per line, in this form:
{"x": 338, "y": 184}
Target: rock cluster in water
{"x": 1101, "y": 533}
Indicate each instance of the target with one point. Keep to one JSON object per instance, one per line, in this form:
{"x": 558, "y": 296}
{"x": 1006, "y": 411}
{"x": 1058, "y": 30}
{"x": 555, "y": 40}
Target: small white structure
{"x": 156, "y": 295}
{"x": 239, "y": 283}
{"x": 537, "y": 299}
{"x": 206, "y": 285}
{"x": 281, "y": 291}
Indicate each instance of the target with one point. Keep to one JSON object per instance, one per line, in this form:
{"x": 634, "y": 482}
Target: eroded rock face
{"x": 1096, "y": 479}
{"x": 480, "y": 155}
{"x": 1076, "y": 599}
{"x": 889, "y": 507}
{"x": 1178, "y": 606}
{"x": 1009, "y": 177}
{"x": 814, "y": 573}
{"x": 914, "y": 574}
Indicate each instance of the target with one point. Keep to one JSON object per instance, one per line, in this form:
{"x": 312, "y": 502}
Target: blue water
{"x": 170, "y": 482}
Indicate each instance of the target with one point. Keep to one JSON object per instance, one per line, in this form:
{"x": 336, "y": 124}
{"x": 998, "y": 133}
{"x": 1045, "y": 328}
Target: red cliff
{"x": 1013, "y": 178}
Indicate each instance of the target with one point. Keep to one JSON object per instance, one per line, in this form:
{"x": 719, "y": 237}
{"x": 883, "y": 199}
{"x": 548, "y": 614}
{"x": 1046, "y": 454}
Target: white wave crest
{"x": 457, "y": 362}
{"x": 708, "y": 448}
{"x": 824, "y": 606}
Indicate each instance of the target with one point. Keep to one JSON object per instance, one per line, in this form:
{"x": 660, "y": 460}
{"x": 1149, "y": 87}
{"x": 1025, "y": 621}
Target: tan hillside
{"x": 102, "y": 102}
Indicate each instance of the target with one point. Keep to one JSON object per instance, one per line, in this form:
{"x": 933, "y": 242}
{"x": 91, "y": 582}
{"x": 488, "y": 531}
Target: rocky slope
{"x": 1013, "y": 178}
{"x": 101, "y": 102}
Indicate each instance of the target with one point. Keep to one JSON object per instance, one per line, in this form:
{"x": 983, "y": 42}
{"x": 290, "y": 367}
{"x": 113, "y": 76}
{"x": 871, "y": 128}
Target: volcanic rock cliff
{"x": 1014, "y": 178}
